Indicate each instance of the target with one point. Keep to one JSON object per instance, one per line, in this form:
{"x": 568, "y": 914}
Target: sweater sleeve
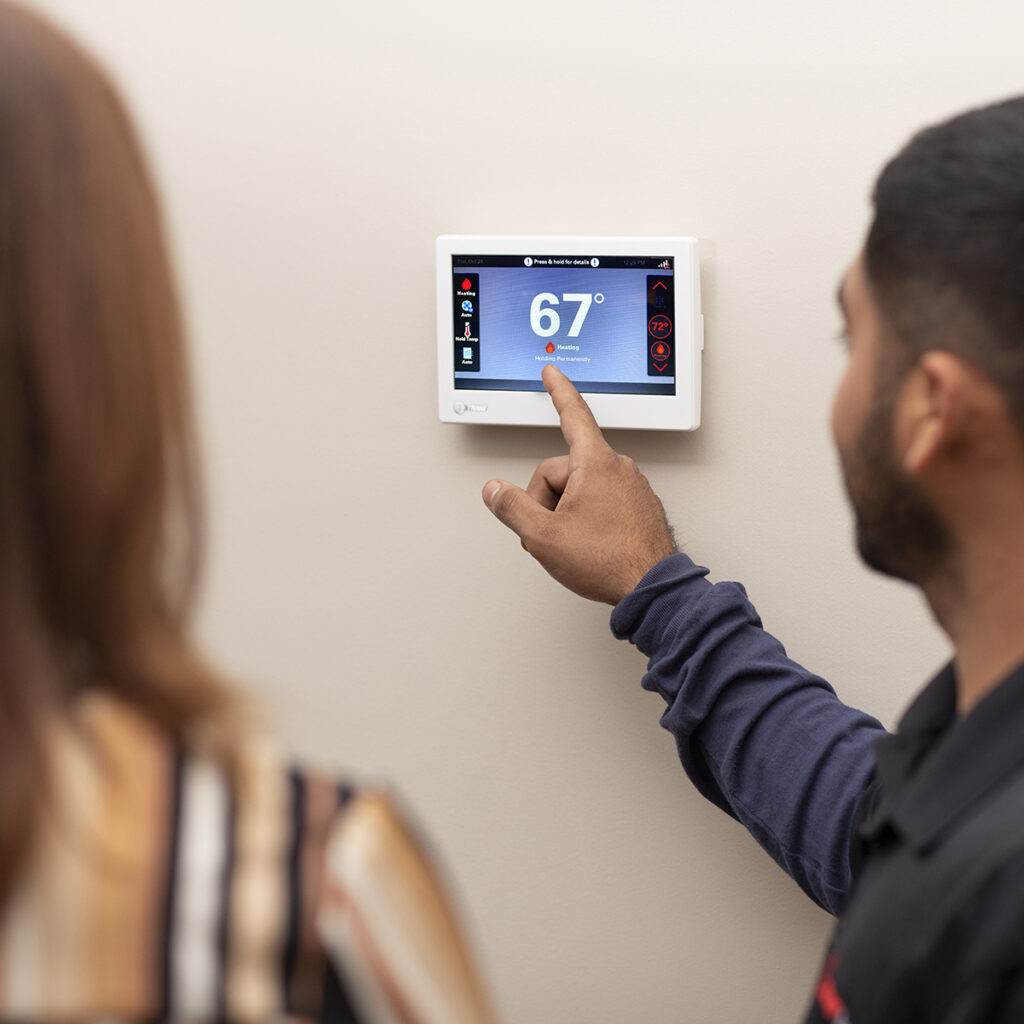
{"x": 760, "y": 736}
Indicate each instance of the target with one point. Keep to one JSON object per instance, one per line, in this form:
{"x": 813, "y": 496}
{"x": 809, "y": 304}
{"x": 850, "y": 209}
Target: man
{"x": 915, "y": 840}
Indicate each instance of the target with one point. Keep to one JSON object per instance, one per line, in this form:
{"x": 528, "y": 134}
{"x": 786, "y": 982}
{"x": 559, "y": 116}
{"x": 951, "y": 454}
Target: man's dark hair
{"x": 945, "y": 253}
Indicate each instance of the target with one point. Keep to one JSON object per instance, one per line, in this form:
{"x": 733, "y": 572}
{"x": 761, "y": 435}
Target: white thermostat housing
{"x": 620, "y": 317}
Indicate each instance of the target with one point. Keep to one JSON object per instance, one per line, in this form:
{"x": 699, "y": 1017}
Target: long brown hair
{"x": 99, "y": 493}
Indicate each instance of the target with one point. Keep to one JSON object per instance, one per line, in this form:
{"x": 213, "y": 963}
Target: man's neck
{"x": 982, "y": 610}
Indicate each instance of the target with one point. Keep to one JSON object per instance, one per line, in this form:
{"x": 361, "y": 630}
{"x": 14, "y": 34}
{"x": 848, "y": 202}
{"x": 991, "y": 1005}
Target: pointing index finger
{"x": 579, "y": 427}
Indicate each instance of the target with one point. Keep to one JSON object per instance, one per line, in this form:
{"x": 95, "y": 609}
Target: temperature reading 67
{"x": 544, "y": 319}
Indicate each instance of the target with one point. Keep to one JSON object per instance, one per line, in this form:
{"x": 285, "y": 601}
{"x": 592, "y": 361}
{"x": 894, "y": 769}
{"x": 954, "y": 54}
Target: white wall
{"x": 309, "y": 153}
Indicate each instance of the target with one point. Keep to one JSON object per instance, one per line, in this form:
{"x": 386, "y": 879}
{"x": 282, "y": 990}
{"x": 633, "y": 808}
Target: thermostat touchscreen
{"x": 606, "y": 321}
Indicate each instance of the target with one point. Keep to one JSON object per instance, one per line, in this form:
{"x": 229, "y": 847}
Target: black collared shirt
{"x": 933, "y": 930}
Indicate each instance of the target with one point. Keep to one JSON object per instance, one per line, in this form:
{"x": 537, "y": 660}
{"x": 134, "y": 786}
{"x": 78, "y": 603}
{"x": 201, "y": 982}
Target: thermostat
{"x": 620, "y": 317}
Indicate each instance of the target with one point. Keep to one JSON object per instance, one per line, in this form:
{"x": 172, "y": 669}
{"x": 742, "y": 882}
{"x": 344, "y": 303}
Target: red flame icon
{"x": 549, "y": 348}
{"x": 466, "y": 284}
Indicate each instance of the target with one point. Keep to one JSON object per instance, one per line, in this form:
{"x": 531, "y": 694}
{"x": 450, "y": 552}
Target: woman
{"x": 154, "y": 862}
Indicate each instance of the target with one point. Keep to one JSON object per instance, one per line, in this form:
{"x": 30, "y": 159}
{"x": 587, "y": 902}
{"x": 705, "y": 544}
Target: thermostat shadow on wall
{"x": 620, "y": 317}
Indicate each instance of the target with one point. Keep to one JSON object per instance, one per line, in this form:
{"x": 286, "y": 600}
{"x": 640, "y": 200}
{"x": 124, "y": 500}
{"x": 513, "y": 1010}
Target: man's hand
{"x": 589, "y": 517}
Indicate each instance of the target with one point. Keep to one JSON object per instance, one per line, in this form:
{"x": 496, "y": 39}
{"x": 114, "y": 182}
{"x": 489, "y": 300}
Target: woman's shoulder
{"x": 174, "y": 882}
{"x": 253, "y": 771}
{"x": 201, "y": 871}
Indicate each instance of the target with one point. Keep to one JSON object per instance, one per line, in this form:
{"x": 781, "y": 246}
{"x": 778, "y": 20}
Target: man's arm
{"x": 760, "y": 736}
{"x": 763, "y": 738}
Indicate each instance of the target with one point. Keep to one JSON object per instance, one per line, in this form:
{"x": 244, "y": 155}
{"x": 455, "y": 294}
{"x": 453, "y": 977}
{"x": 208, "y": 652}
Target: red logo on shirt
{"x": 832, "y": 1007}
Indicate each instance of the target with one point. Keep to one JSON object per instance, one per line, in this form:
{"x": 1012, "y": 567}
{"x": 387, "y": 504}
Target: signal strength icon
{"x": 664, "y": 266}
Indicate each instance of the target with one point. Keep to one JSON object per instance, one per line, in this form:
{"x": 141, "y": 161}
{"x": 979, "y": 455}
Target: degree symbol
{"x": 599, "y": 298}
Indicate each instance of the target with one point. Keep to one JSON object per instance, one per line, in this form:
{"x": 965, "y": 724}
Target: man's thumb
{"x": 513, "y": 506}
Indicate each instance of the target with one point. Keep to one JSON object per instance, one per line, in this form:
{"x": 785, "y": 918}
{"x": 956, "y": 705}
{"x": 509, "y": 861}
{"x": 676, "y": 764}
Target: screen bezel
{"x": 680, "y": 411}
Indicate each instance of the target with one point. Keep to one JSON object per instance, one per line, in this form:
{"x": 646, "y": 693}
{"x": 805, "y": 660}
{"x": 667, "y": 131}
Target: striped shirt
{"x": 159, "y": 890}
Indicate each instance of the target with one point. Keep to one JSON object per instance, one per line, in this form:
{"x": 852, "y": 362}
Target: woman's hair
{"x": 99, "y": 492}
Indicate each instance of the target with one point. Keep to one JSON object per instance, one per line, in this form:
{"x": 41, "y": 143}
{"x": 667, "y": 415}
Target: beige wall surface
{"x": 309, "y": 152}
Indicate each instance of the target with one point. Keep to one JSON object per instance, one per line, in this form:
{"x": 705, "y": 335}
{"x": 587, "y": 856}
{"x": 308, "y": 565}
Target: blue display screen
{"x": 607, "y": 322}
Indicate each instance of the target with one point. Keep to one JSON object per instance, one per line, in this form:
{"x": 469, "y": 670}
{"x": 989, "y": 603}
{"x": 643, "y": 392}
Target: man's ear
{"x": 929, "y": 412}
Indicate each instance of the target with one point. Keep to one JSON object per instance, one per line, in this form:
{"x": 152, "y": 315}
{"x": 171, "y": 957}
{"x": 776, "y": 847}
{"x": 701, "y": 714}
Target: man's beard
{"x": 899, "y": 533}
